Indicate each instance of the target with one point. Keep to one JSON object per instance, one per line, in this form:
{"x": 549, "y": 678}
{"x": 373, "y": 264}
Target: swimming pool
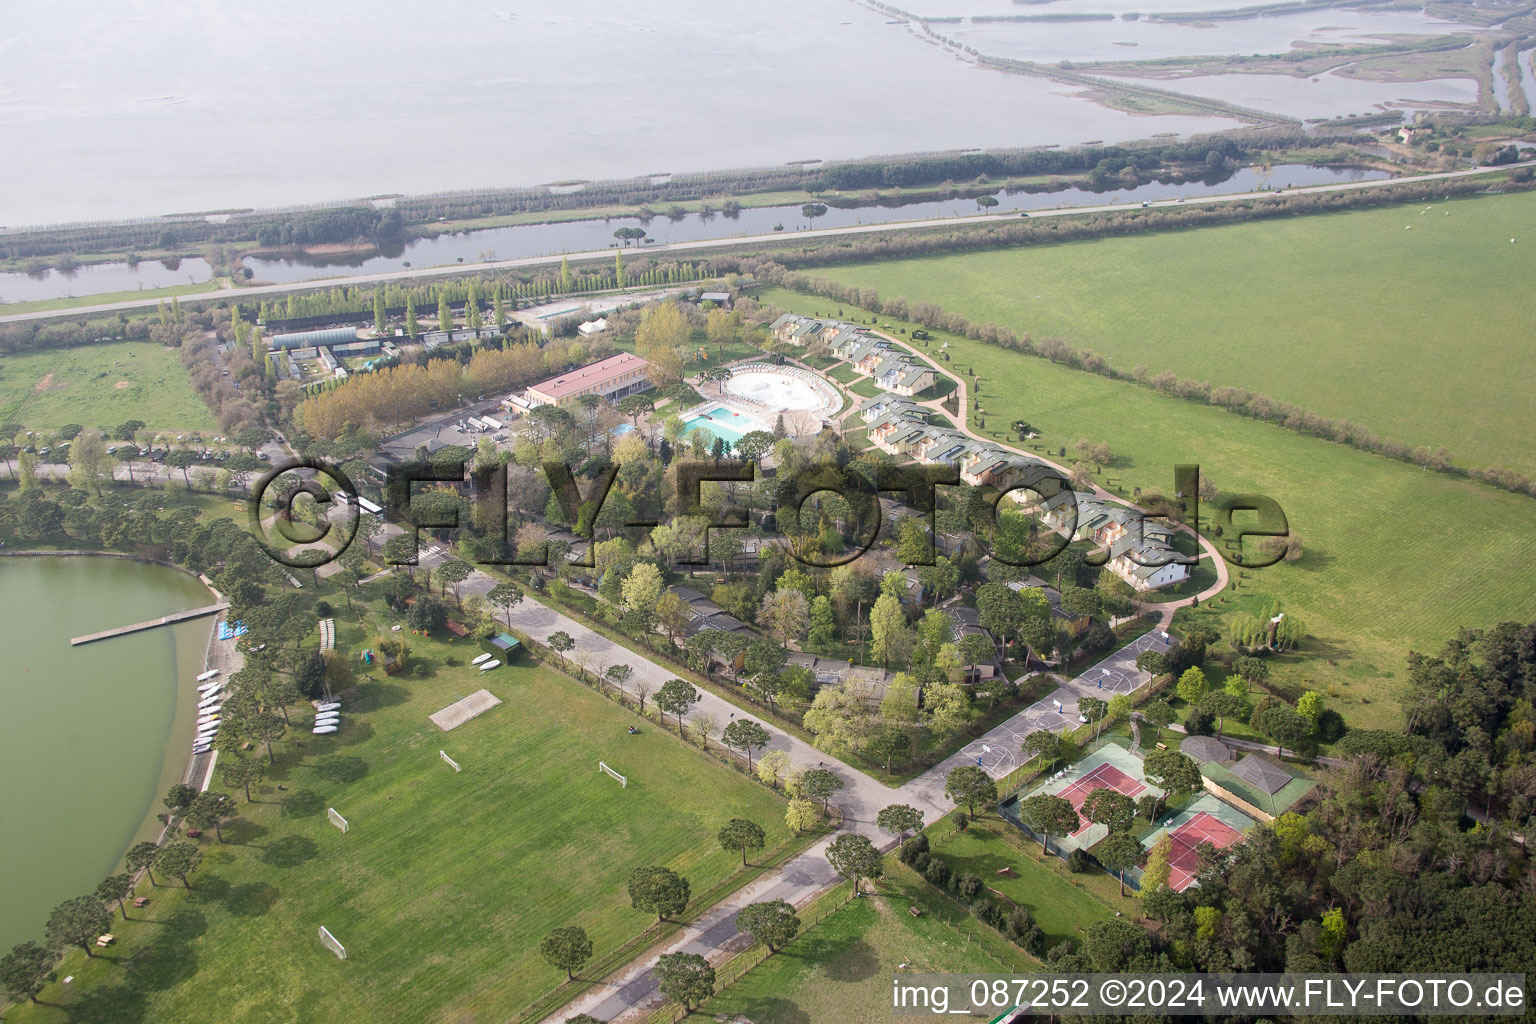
{"x": 723, "y": 422}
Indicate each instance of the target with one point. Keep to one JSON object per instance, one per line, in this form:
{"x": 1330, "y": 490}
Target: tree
{"x": 854, "y": 856}
{"x": 241, "y": 772}
{"x": 773, "y": 923}
{"x": 77, "y": 922}
{"x": 88, "y": 462}
{"x": 1172, "y": 771}
{"x": 453, "y": 572}
{"x": 658, "y": 890}
{"x": 801, "y": 814}
{"x": 560, "y": 642}
{"x": 1193, "y": 685}
{"x": 1047, "y": 813}
{"x": 1310, "y": 706}
{"x": 1158, "y": 869}
{"x": 1118, "y": 851}
{"x": 677, "y": 697}
{"x": 1045, "y": 745}
{"x": 209, "y": 810}
{"x": 1161, "y": 714}
{"x": 178, "y": 798}
{"x": 1093, "y": 709}
{"x": 25, "y": 968}
{"x": 1221, "y": 704}
{"x": 642, "y": 586}
{"x": 505, "y": 596}
{"x": 179, "y": 859}
{"x": 1283, "y": 724}
{"x": 900, "y": 820}
{"x": 745, "y": 735}
{"x": 772, "y": 766}
{"x": 686, "y": 978}
{"x": 785, "y": 614}
{"x": 1110, "y": 808}
{"x": 115, "y": 889}
{"x": 820, "y": 784}
{"x": 741, "y": 834}
{"x": 890, "y": 742}
{"x": 141, "y": 856}
{"x": 566, "y": 949}
{"x": 887, "y": 627}
{"x": 970, "y": 785}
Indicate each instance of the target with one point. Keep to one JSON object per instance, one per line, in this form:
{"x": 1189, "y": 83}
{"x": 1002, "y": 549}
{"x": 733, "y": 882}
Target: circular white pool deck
{"x": 783, "y": 389}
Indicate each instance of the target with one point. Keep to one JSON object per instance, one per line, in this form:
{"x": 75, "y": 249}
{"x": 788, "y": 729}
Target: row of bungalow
{"x": 1140, "y": 552}
{"x": 886, "y": 364}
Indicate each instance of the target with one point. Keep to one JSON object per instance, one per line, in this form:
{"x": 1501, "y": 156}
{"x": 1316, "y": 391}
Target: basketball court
{"x": 1118, "y": 674}
{"x": 1000, "y": 751}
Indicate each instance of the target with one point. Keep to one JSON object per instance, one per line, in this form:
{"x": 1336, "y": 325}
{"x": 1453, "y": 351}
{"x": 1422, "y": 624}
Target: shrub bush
{"x": 1078, "y": 861}
{"x": 936, "y": 872}
{"x": 968, "y": 886}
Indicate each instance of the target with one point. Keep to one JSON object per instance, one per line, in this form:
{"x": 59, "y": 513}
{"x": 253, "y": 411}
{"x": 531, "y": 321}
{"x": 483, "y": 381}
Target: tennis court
{"x": 1206, "y": 820}
{"x": 1105, "y": 776}
{"x": 1110, "y": 767}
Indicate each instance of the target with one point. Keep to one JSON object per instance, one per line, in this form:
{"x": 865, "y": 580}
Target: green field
{"x": 100, "y": 386}
{"x": 1396, "y": 557}
{"x": 840, "y": 970}
{"x": 446, "y": 882}
{"x": 1421, "y": 335}
{"x": 1064, "y": 904}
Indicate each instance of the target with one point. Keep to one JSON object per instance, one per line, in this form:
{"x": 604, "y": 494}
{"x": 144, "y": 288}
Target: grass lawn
{"x": 1395, "y": 557}
{"x": 1064, "y": 904}
{"x": 446, "y": 882}
{"x": 100, "y": 386}
{"x": 104, "y": 298}
{"x": 1419, "y": 334}
{"x": 840, "y": 970}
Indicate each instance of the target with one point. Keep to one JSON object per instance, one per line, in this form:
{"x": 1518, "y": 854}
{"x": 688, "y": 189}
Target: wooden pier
{"x": 164, "y": 620}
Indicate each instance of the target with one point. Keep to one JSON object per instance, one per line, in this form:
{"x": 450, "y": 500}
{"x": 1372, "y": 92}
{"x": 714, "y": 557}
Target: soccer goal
{"x": 622, "y": 780}
{"x": 337, "y": 819}
{"x": 451, "y": 762}
{"x": 330, "y": 943}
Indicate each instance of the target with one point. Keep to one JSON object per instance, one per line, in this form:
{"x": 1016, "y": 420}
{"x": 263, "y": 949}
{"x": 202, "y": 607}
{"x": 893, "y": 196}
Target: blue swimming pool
{"x": 722, "y": 422}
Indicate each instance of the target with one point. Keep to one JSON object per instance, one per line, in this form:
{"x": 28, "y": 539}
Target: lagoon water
{"x": 90, "y": 736}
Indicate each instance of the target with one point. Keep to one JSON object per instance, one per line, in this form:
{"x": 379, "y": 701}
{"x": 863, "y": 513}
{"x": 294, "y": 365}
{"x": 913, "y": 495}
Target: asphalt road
{"x": 264, "y": 291}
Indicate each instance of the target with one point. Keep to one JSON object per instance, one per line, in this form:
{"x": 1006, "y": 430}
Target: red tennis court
{"x": 1185, "y": 841}
{"x": 1105, "y": 776}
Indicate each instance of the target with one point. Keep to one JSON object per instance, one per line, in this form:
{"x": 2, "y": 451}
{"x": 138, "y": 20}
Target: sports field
{"x": 1414, "y": 321}
{"x": 840, "y": 970}
{"x": 1396, "y": 557}
{"x": 100, "y": 386}
{"x": 446, "y": 882}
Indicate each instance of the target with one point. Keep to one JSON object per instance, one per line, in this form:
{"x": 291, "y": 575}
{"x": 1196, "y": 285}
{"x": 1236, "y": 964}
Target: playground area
{"x": 1207, "y": 820}
{"x": 1110, "y": 767}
